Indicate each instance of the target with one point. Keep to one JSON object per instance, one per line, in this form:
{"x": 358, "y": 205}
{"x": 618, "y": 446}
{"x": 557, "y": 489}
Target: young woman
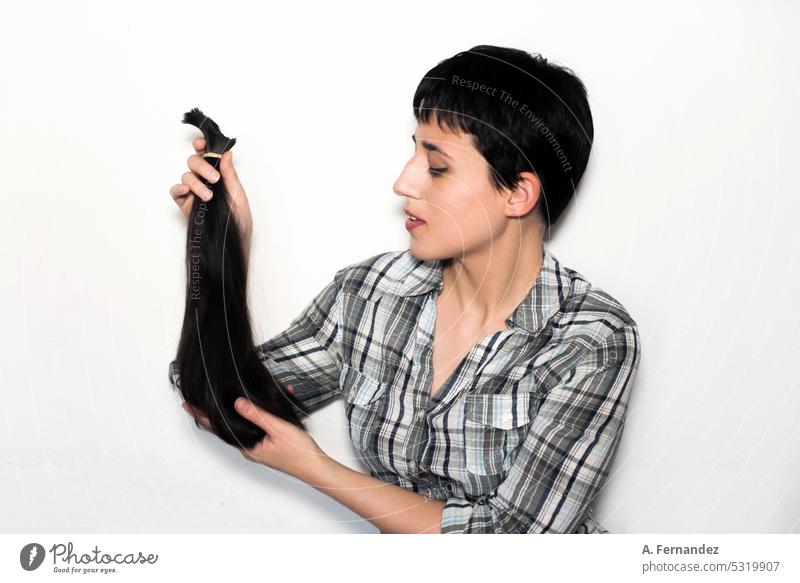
{"x": 485, "y": 383}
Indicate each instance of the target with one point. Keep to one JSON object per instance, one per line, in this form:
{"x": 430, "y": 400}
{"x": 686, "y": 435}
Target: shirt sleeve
{"x": 565, "y": 457}
{"x": 306, "y": 355}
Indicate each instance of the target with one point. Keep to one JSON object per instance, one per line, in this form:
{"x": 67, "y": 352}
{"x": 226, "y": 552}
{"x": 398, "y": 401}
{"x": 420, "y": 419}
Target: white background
{"x": 687, "y": 215}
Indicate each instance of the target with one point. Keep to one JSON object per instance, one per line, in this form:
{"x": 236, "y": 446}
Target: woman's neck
{"x": 488, "y": 284}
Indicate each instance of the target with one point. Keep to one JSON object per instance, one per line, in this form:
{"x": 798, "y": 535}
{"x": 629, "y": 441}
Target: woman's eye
{"x": 437, "y": 171}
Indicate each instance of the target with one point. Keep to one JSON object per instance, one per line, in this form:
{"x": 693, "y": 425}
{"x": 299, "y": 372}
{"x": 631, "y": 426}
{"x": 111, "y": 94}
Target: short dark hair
{"x": 524, "y": 114}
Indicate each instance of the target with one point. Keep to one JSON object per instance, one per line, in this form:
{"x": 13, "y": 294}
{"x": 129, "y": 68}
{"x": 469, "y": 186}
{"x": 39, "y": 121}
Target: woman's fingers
{"x": 183, "y": 197}
{"x": 255, "y": 414}
{"x": 196, "y": 185}
{"x": 179, "y": 191}
{"x": 199, "y": 144}
{"x": 192, "y": 184}
{"x": 201, "y": 167}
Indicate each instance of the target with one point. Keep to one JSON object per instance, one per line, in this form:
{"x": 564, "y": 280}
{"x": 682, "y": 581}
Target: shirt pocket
{"x": 365, "y": 406}
{"x": 494, "y": 425}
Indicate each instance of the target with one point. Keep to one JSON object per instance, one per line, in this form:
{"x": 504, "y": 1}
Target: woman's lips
{"x": 413, "y": 223}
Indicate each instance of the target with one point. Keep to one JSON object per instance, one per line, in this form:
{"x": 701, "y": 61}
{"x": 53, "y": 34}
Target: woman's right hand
{"x": 192, "y": 186}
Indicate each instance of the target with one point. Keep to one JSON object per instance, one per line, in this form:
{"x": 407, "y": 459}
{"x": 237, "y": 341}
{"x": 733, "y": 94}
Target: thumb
{"x": 237, "y": 194}
{"x": 229, "y": 174}
{"x": 254, "y": 413}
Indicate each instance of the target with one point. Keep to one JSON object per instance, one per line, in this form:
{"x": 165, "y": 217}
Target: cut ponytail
{"x": 217, "y": 361}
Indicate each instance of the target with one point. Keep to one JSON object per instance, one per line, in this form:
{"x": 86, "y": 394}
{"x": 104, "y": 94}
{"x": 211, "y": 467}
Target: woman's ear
{"x": 524, "y": 196}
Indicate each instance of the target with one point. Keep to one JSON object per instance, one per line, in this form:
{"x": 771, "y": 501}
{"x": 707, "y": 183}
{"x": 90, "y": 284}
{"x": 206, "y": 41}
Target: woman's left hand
{"x": 285, "y": 446}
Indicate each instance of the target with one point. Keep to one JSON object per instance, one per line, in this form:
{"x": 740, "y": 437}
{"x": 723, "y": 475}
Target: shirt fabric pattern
{"x": 519, "y": 439}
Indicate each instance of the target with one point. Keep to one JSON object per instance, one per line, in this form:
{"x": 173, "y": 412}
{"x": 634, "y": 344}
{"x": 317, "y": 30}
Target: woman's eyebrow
{"x": 431, "y": 147}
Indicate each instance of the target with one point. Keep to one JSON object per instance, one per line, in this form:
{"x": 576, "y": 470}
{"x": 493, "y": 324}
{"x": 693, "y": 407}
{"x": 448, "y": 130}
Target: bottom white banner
{"x": 215, "y": 557}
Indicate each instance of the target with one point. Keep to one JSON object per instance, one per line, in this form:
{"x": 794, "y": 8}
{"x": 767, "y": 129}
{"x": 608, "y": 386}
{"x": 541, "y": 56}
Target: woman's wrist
{"x": 246, "y": 248}
{"x": 316, "y": 468}
{"x": 247, "y": 238}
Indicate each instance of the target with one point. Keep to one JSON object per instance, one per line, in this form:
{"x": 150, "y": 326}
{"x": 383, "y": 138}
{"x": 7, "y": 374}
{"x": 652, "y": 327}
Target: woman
{"x": 485, "y": 383}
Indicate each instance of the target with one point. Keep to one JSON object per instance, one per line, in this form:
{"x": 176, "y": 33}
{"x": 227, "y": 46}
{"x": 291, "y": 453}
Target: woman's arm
{"x": 291, "y": 450}
{"x": 391, "y": 508}
{"x": 560, "y": 469}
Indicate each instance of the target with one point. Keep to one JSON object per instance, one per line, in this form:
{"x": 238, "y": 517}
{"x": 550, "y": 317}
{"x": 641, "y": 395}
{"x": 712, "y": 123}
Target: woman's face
{"x": 446, "y": 184}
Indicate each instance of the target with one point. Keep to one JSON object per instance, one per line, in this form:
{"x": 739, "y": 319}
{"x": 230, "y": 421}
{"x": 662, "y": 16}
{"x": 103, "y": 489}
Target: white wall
{"x": 688, "y": 215}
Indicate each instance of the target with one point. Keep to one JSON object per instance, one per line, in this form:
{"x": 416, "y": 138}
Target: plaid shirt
{"x": 519, "y": 438}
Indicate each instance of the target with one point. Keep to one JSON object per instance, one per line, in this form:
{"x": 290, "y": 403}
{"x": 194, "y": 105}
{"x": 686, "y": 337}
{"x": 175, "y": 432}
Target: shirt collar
{"x": 542, "y": 302}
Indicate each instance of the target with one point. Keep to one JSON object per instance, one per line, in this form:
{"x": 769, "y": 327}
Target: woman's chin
{"x": 422, "y": 253}
{"x": 418, "y": 252}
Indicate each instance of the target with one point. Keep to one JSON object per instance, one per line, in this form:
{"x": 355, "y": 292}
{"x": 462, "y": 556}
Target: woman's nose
{"x": 408, "y": 183}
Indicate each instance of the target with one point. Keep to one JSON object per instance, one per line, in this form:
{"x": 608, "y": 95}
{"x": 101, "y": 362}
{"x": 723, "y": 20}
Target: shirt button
{"x": 421, "y": 414}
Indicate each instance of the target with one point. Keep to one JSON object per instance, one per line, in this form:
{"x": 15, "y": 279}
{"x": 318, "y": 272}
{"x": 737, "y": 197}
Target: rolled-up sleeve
{"x": 564, "y": 460}
{"x": 307, "y": 354}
